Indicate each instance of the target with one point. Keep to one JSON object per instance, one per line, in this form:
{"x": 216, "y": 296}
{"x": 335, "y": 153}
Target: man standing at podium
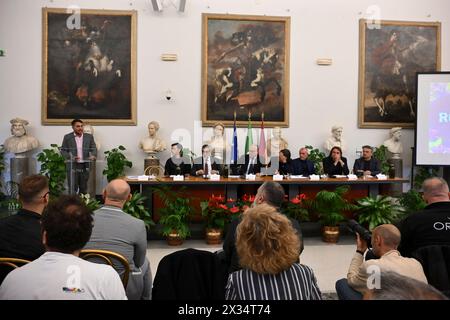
{"x": 79, "y": 149}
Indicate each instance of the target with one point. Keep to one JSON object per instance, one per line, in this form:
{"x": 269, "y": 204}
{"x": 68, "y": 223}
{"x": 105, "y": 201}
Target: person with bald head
{"x": 430, "y": 226}
{"x": 362, "y": 274}
{"x": 251, "y": 163}
{"x": 117, "y": 231}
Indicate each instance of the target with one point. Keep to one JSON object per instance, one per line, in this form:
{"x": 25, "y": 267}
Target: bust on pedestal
{"x": 152, "y": 145}
{"x": 395, "y": 149}
{"x": 277, "y": 143}
{"x": 335, "y": 140}
{"x": 19, "y": 144}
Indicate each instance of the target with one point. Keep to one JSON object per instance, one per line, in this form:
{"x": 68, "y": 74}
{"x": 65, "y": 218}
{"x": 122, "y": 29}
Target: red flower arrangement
{"x": 218, "y": 211}
{"x": 296, "y": 208}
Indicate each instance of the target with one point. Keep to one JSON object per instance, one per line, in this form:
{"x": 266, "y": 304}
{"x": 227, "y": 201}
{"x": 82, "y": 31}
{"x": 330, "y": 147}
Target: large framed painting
{"x": 390, "y": 55}
{"x": 245, "y": 68}
{"x": 89, "y": 66}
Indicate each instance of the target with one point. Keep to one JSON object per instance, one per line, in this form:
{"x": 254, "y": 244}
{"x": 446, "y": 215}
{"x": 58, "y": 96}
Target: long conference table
{"x": 235, "y": 187}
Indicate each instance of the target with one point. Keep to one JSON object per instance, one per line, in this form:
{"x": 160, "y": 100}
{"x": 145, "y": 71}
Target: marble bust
{"x": 218, "y": 143}
{"x": 20, "y": 142}
{"x": 276, "y": 143}
{"x": 394, "y": 144}
{"x": 87, "y": 128}
{"x": 152, "y": 144}
{"x": 335, "y": 140}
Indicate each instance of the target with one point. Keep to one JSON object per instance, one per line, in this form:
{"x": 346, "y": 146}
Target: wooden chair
{"x": 9, "y": 264}
{"x": 106, "y": 256}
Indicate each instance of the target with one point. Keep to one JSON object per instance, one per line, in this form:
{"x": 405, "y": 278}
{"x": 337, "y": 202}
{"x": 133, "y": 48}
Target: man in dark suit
{"x": 251, "y": 163}
{"x": 367, "y": 165}
{"x": 303, "y": 166}
{"x": 80, "y": 149}
{"x": 206, "y": 165}
{"x": 20, "y": 234}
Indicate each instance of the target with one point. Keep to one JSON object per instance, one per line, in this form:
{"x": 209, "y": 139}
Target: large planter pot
{"x": 214, "y": 236}
{"x": 330, "y": 234}
{"x": 174, "y": 239}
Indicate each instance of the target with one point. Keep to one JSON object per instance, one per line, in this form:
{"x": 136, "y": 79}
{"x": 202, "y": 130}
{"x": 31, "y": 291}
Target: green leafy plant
{"x": 136, "y": 208}
{"x": 176, "y": 210}
{"x": 378, "y": 210}
{"x": 219, "y": 211}
{"x": 411, "y": 201}
{"x": 116, "y": 162}
{"x": 91, "y": 203}
{"x": 295, "y": 208}
{"x": 422, "y": 174}
{"x": 53, "y": 166}
{"x": 380, "y": 154}
{"x": 330, "y": 205}
{"x": 316, "y": 156}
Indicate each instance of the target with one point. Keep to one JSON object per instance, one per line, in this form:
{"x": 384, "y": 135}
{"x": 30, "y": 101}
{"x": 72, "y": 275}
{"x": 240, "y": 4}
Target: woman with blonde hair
{"x": 268, "y": 248}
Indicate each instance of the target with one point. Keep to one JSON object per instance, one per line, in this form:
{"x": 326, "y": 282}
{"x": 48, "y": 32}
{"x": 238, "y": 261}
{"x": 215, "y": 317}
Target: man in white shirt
{"x": 206, "y": 165}
{"x": 59, "y": 274}
{"x": 252, "y": 165}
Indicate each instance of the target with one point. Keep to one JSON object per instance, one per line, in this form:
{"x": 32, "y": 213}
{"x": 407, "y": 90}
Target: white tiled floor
{"x": 329, "y": 261}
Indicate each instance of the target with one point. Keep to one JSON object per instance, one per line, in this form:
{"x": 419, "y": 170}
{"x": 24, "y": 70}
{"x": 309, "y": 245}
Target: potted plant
{"x": 295, "y": 208}
{"x": 174, "y": 214}
{"x": 376, "y": 211}
{"x": 380, "y": 154}
{"x": 53, "y": 166}
{"x": 116, "y": 162}
{"x": 316, "y": 156}
{"x": 330, "y": 206}
{"x": 411, "y": 201}
{"x": 218, "y": 212}
{"x": 91, "y": 203}
{"x": 136, "y": 208}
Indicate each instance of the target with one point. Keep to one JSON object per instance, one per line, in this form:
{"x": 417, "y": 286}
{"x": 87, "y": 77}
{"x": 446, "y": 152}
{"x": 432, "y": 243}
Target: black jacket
{"x": 425, "y": 228}
{"x": 20, "y": 236}
{"x": 254, "y": 169}
{"x": 330, "y": 169}
{"x": 176, "y": 166}
{"x": 374, "y": 166}
{"x": 303, "y": 167}
{"x": 198, "y": 165}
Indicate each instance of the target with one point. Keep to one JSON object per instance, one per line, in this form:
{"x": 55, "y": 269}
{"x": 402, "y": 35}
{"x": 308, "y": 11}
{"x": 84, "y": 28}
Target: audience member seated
{"x": 251, "y": 163}
{"x": 190, "y": 274}
{"x": 394, "y": 286}
{"x": 206, "y": 165}
{"x": 367, "y": 165}
{"x": 302, "y": 166}
{"x": 116, "y": 231}
{"x": 271, "y": 193}
{"x": 385, "y": 240}
{"x": 335, "y": 163}
{"x": 59, "y": 274}
{"x": 177, "y": 164}
{"x": 20, "y": 234}
{"x": 285, "y": 163}
{"x": 428, "y": 227}
{"x": 269, "y": 248}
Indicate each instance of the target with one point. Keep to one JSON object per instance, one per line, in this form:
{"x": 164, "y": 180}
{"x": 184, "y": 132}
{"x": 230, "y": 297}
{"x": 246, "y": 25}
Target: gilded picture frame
{"x": 89, "y": 66}
{"x": 390, "y": 55}
{"x": 245, "y": 69}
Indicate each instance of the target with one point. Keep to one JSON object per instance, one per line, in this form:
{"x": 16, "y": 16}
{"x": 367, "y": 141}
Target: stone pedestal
{"x": 92, "y": 181}
{"x": 19, "y": 169}
{"x": 152, "y": 167}
{"x": 396, "y": 189}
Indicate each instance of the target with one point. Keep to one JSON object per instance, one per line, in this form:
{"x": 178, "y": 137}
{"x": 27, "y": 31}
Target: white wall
{"x": 319, "y": 96}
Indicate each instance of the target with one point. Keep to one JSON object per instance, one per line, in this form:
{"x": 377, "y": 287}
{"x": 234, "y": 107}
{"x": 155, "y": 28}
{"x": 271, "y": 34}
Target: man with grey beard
{"x": 20, "y": 142}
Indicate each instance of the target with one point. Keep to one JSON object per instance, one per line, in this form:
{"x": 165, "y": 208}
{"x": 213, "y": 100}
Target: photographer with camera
{"x": 362, "y": 275}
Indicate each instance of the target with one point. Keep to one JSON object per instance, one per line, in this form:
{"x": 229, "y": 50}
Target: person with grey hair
{"x": 152, "y": 144}
{"x": 118, "y": 231}
{"x": 430, "y": 225}
{"x": 335, "y": 140}
{"x": 20, "y": 142}
{"x": 394, "y": 144}
{"x": 271, "y": 193}
{"x": 385, "y": 240}
{"x": 394, "y": 286}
